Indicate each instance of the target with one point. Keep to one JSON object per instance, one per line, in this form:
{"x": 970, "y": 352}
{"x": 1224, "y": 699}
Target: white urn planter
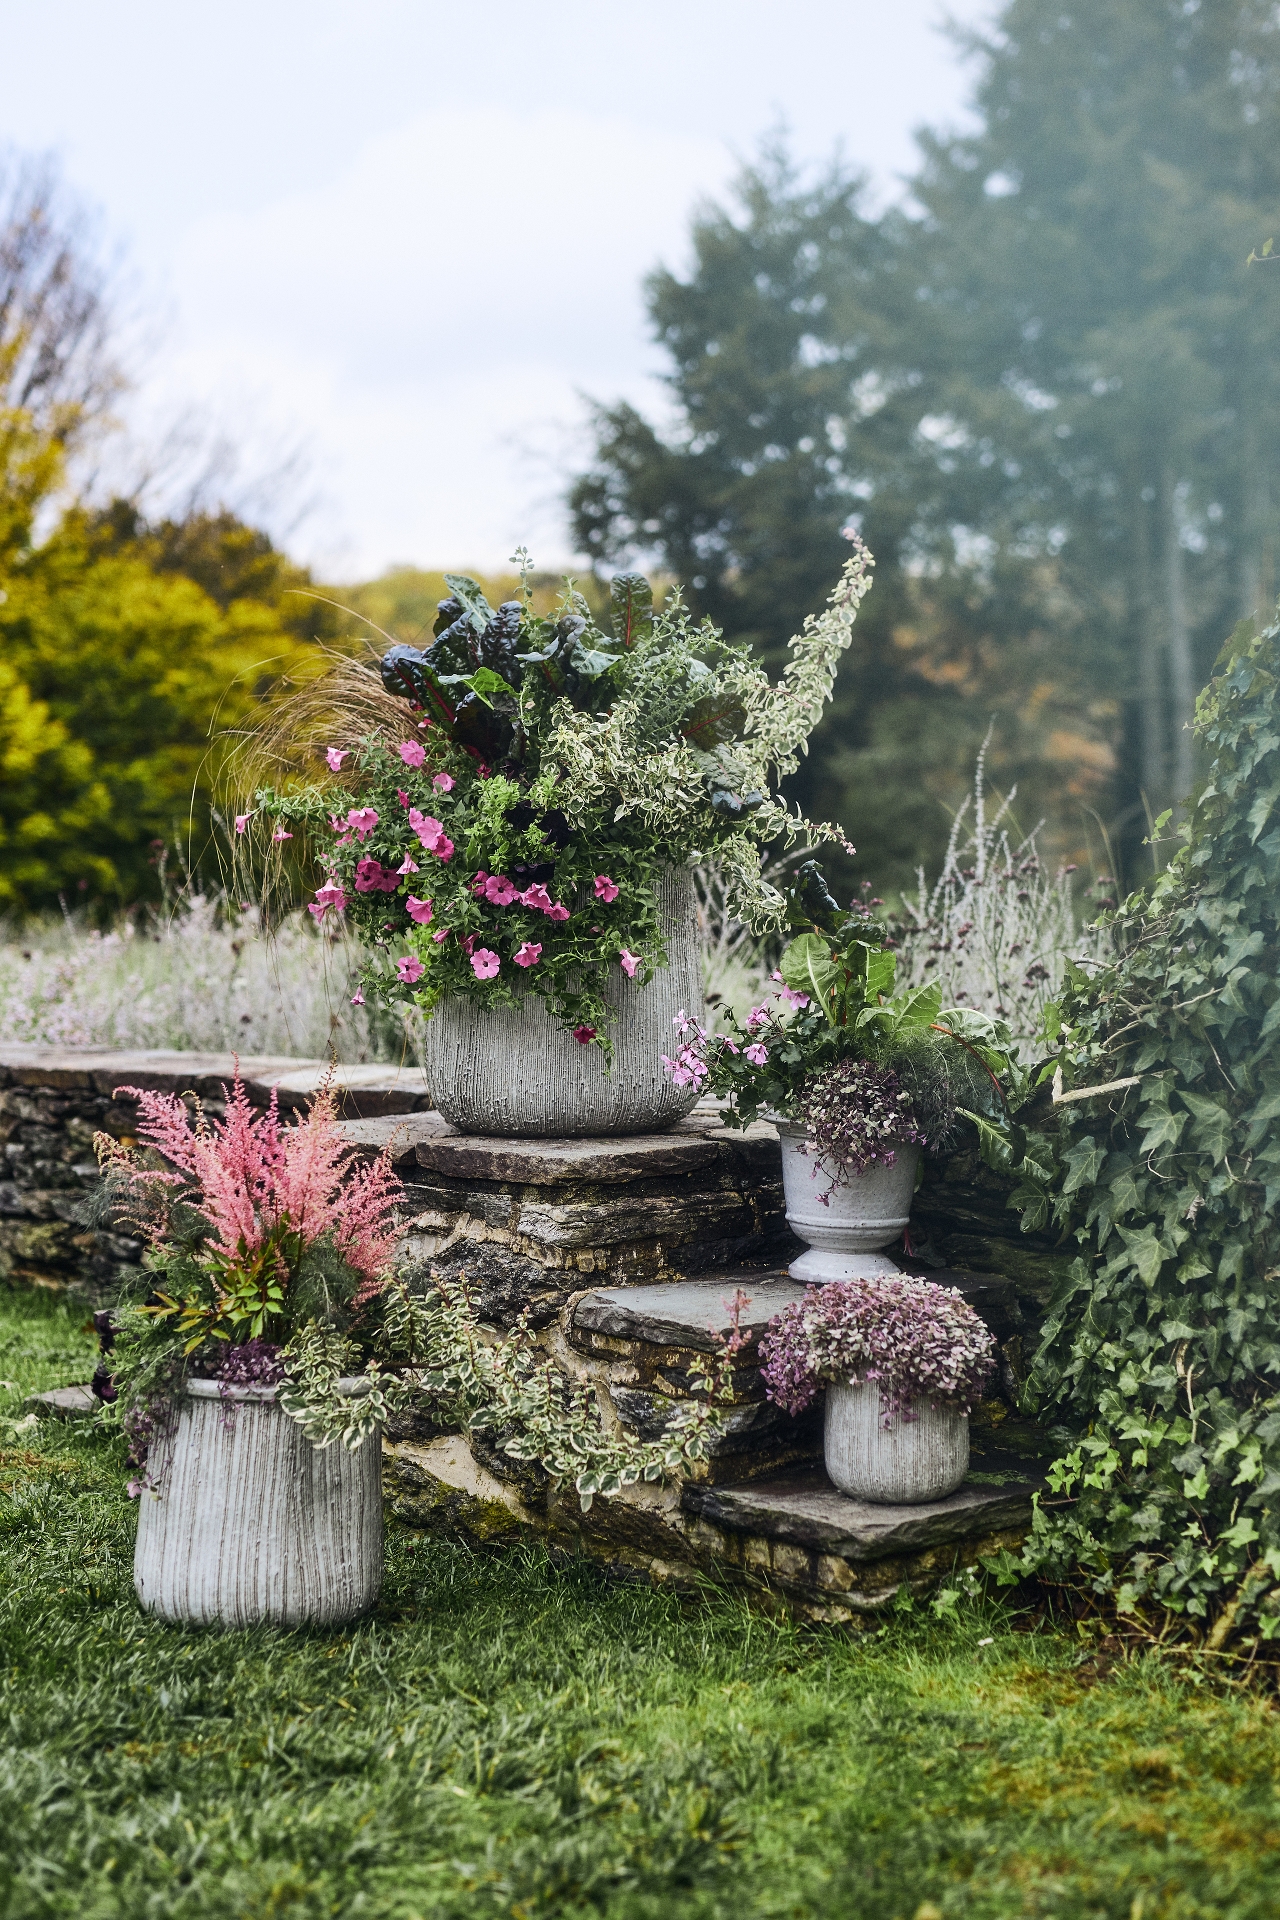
{"x": 250, "y": 1522}
{"x": 864, "y": 1212}
{"x": 904, "y": 1463}
{"x": 510, "y": 1071}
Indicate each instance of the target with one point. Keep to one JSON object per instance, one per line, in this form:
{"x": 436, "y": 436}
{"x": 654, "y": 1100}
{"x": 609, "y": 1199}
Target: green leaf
{"x": 474, "y": 604}
{"x": 714, "y": 721}
{"x": 631, "y": 602}
{"x": 1213, "y": 1125}
{"x": 485, "y": 681}
{"x": 807, "y": 967}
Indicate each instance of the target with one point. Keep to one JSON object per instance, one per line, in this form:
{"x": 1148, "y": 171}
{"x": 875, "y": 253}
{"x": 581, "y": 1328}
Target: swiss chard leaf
{"x": 631, "y": 601}
{"x": 468, "y": 592}
{"x": 807, "y": 967}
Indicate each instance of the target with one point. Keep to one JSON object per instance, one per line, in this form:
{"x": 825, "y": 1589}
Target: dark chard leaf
{"x": 714, "y": 721}
{"x": 733, "y": 806}
{"x": 467, "y": 592}
{"x": 405, "y": 673}
{"x": 631, "y": 600}
{"x": 810, "y": 902}
{"x": 483, "y": 729}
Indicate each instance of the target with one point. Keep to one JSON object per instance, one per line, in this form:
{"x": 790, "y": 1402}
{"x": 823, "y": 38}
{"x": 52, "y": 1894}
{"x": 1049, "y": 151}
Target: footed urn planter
{"x": 904, "y": 1463}
{"x": 250, "y": 1522}
{"x": 865, "y": 1212}
{"x": 512, "y": 1072}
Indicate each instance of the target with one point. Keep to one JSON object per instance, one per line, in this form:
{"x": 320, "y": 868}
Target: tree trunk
{"x": 1151, "y": 727}
{"x": 1182, "y": 682}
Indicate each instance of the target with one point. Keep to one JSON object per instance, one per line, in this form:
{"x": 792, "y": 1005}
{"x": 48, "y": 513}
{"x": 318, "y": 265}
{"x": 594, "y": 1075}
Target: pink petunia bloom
{"x": 335, "y": 756}
{"x": 412, "y": 752}
{"x": 362, "y": 821}
{"x": 629, "y": 962}
{"x": 529, "y": 954}
{"x": 443, "y": 847}
{"x": 407, "y": 866}
{"x": 484, "y": 963}
{"x": 445, "y": 782}
{"x": 477, "y": 885}
{"x": 280, "y": 834}
{"x": 329, "y": 895}
{"x": 431, "y": 833}
{"x": 500, "y": 891}
{"x": 402, "y": 796}
{"x": 373, "y": 877}
{"x": 242, "y": 822}
{"x": 584, "y": 1035}
{"x": 536, "y": 897}
{"x": 557, "y": 912}
{"x": 409, "y": 968}
{"x": 605, "y": 888}
{"x": 468, "y": 945}
{"x": 419, "y": 910}
{"x": 357, "y": 998}
{"x": 440, "y": 935}
{"x": 757, "y": 1054}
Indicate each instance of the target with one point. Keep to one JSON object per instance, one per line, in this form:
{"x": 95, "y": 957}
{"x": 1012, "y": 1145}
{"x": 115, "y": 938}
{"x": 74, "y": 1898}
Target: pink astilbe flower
{"x": 248, "y": 1174}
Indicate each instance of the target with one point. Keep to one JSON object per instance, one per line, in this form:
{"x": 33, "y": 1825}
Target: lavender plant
{"x": 917, "y": 1342}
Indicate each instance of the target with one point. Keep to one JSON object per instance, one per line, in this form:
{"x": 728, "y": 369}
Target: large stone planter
{"x": 866, "y": 1211}
{"x": 250, "y": 1522}
{"x": 510, "y": 1071}
{"x": 904, "y": 1463}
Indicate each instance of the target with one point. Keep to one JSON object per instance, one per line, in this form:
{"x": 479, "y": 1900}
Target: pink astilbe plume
{"x": 248, "y": 1172}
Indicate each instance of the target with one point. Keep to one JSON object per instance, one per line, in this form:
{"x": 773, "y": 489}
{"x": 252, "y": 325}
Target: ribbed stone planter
{"x": 904, "y": 1463}
{"x": 510, "y": 1071}
{"x": 866, "y": 1211}
{"x": 251, "y": 1522}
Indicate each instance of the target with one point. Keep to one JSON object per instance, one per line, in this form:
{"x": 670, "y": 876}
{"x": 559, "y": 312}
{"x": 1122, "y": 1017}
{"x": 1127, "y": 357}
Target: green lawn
{"x": 511, "y": 1740}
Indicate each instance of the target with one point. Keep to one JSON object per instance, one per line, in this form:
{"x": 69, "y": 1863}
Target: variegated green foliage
{"x": 1163, "y": 1348}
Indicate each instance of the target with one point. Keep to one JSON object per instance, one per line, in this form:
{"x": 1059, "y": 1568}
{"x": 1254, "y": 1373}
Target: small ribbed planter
{"x": 250, "y": 1522}
{"x": 904, "y": 1463}
{"x": 866, "y": 1211}
{"x": 510, "y": 1071}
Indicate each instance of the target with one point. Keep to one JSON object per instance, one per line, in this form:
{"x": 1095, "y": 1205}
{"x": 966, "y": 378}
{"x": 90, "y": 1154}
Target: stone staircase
{"x": 665, "y": 1231}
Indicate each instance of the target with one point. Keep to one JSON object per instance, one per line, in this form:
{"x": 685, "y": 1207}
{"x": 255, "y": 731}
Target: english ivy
{"x": 1162, "y": 1349}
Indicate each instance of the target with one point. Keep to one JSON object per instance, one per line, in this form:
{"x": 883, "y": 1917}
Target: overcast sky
{"x": 412, "y": 234}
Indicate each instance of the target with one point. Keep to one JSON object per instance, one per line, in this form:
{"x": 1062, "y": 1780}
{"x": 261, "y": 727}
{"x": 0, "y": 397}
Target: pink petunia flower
{"x": 468, "y": 945}
{"x": 629, "y": 962}
{"x": 757, "y": 1054}
{"x": 419, "y": 910}
{"x": 443, "y": 847}
{"x": 412, "y": 752}
{"x": 242, "y": 822}
{"x": 357, "y": 998}
{"x": 280, "y": 834}
{"x": 484, "y": 963}
{"x": 373, "y": 877}
{"x": 431, "y": 833}
{"x": 557, "y": 912}
{"x": 335, "y": 756}
{"x": 409, "y": 968}
{"x": 445, "y": 782}
{"x": 407, "y": 866}
{"x": 362, "y": 821}
{"x": 402, "y": 796}
{"x": 536, "y": 897}
{"x": 606, "y": 890}
{"x": 440, "y": 935}
{"x": 529, "y": 954}
{"x": 584, "y": 1035}
{"x": 329, "y": 895}
{"x": 499, "y": 890}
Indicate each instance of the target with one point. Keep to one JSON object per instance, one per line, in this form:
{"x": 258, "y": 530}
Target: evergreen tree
{"x": 1042, "y": 395}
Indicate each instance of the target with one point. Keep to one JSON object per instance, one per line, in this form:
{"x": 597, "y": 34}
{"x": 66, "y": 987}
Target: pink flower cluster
{"x": 914, "y": 1340}
{"x": 431, "y": 833}
{"x": 688, "y": 1066}
{"x": 247, "y": 1173}
{"x": 501, "y": 892}
{"x": 329, "y": 895}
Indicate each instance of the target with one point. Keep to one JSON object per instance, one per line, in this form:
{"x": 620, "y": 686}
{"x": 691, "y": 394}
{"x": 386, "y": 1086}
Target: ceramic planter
{"x": 904, "y": 1463}
{"x": 510, "y": 1071}
{"x": 250, "y": 1522}
{"x": 865, "y": 1212}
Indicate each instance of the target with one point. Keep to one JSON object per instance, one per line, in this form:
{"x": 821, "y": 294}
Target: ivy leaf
{"x": 1145, "y": 1252}
{"x": 1213, "y": 1129}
